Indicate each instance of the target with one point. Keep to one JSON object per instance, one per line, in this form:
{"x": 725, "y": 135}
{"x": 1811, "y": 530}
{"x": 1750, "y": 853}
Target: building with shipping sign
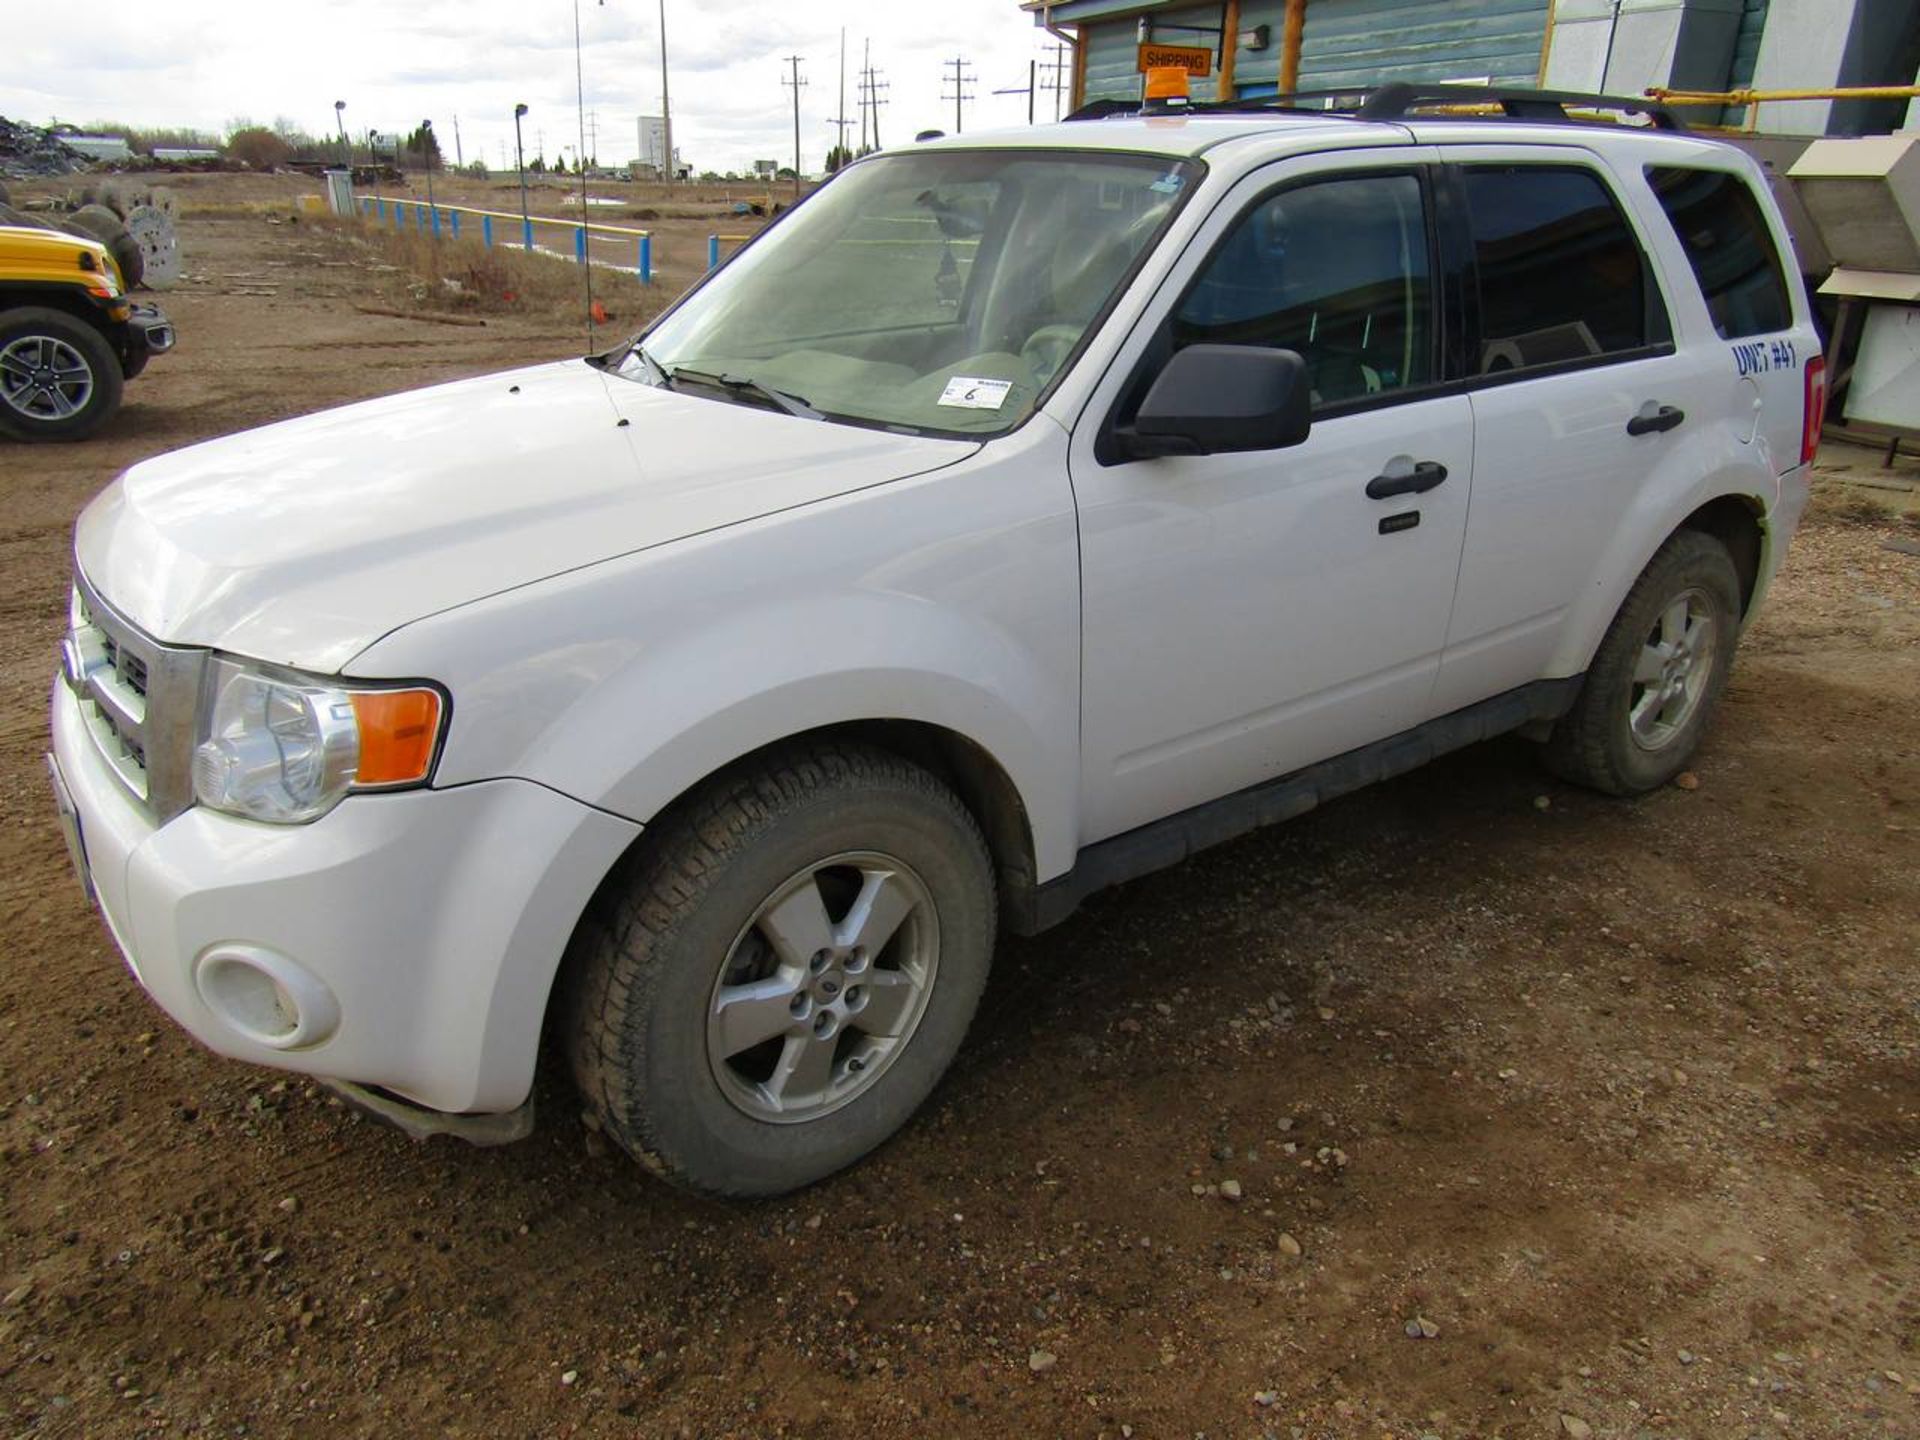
{"x": 1234, "y": 48}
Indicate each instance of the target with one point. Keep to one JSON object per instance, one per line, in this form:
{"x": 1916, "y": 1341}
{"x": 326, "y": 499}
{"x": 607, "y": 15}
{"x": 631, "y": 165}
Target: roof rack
{"x": 1395, "y": 101}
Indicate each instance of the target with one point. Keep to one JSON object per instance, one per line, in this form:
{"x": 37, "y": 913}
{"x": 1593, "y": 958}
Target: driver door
{"x": 1245, "y": 615}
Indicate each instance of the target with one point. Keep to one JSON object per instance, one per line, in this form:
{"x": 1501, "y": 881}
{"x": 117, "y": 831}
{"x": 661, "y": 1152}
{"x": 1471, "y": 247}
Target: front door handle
{"x": 1653, "y": 420}
{"x": 1417, "y": 481}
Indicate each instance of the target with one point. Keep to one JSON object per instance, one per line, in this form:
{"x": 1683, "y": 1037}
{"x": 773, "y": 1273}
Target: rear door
{"x": 1578, "y": 394}
{"x": 1731, "y": 248}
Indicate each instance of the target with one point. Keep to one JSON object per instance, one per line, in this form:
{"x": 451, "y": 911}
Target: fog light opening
{"x": 266, "y": 997}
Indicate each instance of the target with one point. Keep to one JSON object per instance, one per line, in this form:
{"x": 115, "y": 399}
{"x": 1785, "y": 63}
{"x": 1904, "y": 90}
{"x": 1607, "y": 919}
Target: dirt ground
{"x": 1621, "y": 1100}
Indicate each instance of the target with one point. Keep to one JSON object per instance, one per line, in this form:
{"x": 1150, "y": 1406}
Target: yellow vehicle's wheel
{"x": 59, "y": 378}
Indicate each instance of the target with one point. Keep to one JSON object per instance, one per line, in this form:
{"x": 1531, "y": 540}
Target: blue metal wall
{"x": 1365, "y": 42}
{"x": 1258, "y": 71}
{"x": 1113, "y": 49}
{"x": 1348, "y": 42}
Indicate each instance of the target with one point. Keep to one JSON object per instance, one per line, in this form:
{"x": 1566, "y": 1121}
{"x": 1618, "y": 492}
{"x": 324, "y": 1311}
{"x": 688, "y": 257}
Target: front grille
{"x": 140, "y": 700}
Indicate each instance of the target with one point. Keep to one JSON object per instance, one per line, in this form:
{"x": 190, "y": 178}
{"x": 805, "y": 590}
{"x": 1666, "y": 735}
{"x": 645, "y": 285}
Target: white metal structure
{"x": 604, "y": 587}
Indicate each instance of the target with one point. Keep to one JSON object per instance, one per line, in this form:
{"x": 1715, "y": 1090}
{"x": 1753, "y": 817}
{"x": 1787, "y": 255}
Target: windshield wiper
{"x": 742, "y": 385}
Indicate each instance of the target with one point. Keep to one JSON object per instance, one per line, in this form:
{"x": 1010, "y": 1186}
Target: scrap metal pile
{"x": 27, "y": 150}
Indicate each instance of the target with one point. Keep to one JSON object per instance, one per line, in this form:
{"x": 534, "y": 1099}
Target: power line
{"x": 960, "y": 79}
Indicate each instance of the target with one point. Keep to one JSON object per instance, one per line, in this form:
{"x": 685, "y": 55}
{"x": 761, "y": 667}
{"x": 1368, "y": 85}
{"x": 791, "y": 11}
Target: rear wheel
{"x": 1658, "y": 674}
{"x": 770, "y": 986}
{"x": 59, "y": 378}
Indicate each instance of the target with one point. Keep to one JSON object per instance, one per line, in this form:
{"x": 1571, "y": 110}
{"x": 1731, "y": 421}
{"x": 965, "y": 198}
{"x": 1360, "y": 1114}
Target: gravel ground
{"x": 1473, "y": 1105}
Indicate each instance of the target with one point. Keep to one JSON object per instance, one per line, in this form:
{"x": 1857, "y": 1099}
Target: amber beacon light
{"x": 1167, "y": 86}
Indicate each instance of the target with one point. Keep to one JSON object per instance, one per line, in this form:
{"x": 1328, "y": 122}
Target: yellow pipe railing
{"x": 1753, "y": 99}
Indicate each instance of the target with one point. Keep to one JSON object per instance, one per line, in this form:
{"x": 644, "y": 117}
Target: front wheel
{"x": 776, "y": 978}
{"x": 1658, "y": 674}
{"x": 59, "y": 379}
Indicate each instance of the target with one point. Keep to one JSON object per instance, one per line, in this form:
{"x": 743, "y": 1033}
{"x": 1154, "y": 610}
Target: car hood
{"x": 305, "y": 541}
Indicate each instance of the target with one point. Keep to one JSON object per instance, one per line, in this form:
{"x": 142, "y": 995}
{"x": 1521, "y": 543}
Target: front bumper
{"x": 406, "y": 942}
{"x": 149, "y": 331}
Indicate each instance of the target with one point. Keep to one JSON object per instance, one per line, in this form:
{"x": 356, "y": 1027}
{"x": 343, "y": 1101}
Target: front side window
{"x": 1561, "y": 275}
{"x": 1335, "y": 269}
{"x": 1725, "y": 235}
{"x": 938, "y": 292}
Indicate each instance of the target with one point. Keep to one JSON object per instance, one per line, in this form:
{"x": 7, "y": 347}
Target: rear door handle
{"x": 1651, "y": 420}
{"x": 1417, "y": 481}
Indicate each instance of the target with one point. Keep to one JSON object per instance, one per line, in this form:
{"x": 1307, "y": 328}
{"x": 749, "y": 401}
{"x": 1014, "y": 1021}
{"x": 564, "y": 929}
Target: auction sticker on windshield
{"x": 970, "y": 394}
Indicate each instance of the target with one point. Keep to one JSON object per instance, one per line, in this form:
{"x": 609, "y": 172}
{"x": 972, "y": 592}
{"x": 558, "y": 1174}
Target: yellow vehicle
{"x": 70, "y": 336}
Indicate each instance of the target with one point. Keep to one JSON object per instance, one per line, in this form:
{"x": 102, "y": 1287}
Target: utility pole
{"x": 459, "y": 156}
{"x": 860, "y": 89}
{"x": 872, "y": 96}
{"x": 796, "y": 82}
{"x": 961, "y": 79}
{"x": 1058, "y": 84}
{"x": 1031, "y": 89}
{"x": 666, "y": 106}
{"x": 842, "y": 122}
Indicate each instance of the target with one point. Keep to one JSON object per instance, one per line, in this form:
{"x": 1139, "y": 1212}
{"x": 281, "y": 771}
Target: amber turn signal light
{"x": 399, "y": 730}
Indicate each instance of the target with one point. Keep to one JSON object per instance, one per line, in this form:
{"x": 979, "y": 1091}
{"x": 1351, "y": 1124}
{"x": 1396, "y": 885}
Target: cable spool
{"x": 152, "y": 230}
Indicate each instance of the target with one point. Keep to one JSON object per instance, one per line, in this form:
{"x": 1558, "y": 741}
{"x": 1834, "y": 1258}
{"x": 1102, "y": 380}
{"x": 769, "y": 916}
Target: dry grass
{"x": 1840, "y": 502}
{"x": 411, "y": 270}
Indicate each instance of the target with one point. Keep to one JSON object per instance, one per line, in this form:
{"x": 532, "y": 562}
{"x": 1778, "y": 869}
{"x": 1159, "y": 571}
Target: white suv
{"x": 1021, "y": 514}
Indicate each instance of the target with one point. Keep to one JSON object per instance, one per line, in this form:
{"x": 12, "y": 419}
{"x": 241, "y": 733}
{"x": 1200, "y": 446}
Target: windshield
{"x": 936, "y": 292}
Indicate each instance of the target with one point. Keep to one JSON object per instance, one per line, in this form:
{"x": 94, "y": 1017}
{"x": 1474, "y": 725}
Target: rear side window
{"x": 1562, "y": 277}
{"x": 1725, "y": 235}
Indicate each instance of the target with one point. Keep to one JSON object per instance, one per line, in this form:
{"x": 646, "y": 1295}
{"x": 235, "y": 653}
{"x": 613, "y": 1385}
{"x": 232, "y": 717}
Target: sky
{"x": 205, "y": 64}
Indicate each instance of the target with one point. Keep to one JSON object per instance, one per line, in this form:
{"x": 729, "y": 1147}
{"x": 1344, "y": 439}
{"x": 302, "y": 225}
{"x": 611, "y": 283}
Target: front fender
{"x": 688, "y": 708}
{"x": 950, "y": 600}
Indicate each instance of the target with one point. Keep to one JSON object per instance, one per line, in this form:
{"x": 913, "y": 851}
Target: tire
{"x": 696, "y": 915}
{"x": 30, "y": 335}
{"x": 100, "y": 223}
{"x": 1674, "y": 636}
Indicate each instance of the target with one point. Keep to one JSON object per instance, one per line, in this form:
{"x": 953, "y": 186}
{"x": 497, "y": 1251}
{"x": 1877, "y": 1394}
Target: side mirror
{"x": 1214, "y": 399}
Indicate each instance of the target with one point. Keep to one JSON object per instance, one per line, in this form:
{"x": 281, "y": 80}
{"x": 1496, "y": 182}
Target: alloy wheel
{"x": 44, "y": 378}
{"x": 823, "y": 988}
{"x": 1674, "y": 670}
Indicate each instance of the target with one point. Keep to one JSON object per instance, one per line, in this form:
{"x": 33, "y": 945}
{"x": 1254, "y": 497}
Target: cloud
{"x": 474, "y": 59}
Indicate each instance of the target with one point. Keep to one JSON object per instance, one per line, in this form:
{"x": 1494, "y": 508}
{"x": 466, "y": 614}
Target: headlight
{"x": 287, "y": 748}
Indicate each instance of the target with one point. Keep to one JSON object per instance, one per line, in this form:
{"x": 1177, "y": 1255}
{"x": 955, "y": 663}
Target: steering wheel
{"x": 1047, "y": 348}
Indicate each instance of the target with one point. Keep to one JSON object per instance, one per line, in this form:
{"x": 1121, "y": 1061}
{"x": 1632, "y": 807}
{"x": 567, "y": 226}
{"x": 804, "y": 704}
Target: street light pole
{"x": 340, "y": 119}
{"x": 426, "y": 154}
{"x": 520, "y": 163}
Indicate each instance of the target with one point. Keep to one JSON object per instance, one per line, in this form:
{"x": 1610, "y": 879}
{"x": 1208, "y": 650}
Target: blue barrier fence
{"x": 428, "y": 217}
{"x": 713, "y": 246}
